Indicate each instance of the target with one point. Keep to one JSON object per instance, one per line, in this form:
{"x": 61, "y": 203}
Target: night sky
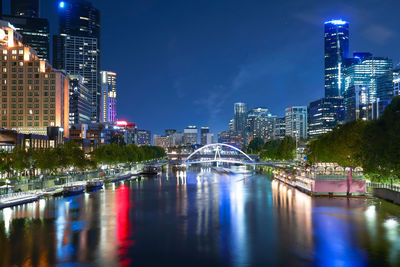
{"x": 186, "y": 62}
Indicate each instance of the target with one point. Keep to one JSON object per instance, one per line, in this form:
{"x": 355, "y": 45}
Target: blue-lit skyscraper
{"x": 336, "y": 51}
{"x": 76, "y": 48}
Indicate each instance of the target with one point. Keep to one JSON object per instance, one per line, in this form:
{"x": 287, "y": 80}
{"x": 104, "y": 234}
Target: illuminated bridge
{"x": 219, "y": 153}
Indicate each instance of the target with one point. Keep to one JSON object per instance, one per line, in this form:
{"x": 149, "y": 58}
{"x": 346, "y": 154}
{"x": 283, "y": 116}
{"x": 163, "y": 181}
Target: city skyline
{"x": 169, "y": 72}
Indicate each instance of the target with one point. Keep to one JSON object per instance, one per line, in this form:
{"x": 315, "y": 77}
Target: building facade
{"x": 279, "y": 128}
{"x": 35, "y": 32}
{"x": 356, "y": 103}
{"x": 296, "y": 122}
{"x": 240, "y": 116}
{"x": 143, "y": 138}
{"x": 77, "y": 46}
{"x": 108, "y": 99}
{"x": 80, "y": 108}
{"x": 232, "y": 138}
{"x": 190, "y": 135}
{"x": 371, "y": 73}
{"x": 34, "y": 96}
{"x": 324, "y": 114}
{"x": 336, "y": 50}
{"x": 260, "y": 123}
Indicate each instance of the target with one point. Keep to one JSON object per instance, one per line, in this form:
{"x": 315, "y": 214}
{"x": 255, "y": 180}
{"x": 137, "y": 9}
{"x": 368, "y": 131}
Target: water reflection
{"x": 199, "y": 217}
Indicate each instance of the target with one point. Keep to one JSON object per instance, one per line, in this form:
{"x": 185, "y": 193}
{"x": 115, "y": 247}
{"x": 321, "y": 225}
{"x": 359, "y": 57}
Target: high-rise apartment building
{"x": 296, "y": 122}
{"x": 240, "y": 116}
{"x": 336, "y": 51}
{"x": 34, "y": 96}
{"x": 324, "y": 114}
{"x": 190, "y": 135}
{"x": 80, "y": 108}
{"x": 206, "y": 137}
{"x": 260, "y": 123}
{"x": 371, "y": 73}
{"x": 143, "y": 137}
{"x": 279, "y": 128}
{"x": 108, "y": 99}
{"x": 356, "y": 103}
{"x": 77, "y": 46}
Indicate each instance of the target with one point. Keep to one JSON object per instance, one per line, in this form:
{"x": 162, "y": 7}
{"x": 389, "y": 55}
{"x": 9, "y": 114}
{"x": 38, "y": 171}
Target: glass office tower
{"x": 371, "y": 73}
{"x": 336, "y": 51}
{"x": 77, "y": 46}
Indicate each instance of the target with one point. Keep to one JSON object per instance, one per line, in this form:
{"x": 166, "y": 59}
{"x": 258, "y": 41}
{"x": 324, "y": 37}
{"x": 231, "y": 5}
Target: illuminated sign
{"x": 121, "y": 123}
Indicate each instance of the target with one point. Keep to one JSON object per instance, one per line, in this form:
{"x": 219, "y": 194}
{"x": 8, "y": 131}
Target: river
{"x": 200, "y": 218}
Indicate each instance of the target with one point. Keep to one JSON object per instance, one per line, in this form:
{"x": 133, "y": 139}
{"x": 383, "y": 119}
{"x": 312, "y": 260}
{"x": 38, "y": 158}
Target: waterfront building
{"x": 296, "y": 122}
{"x": 79, "y": 101}
{"x": 336, "y": 51}
{"x": 260, "y": 123}
{"x": 207, "y": 138}
{"x": 108, "y": 99}
{"x": 9, "y": 139}
{"x": 205, "y": 135}
{"x": 240, "y": 115}
{"x": 190, "y": 135}
{"x": 324, "y": 114}
{"x": 35, "y": 32}
{"x": 162, "y": 141}
{"x": 367, "y": 73}
{"x": 279, "y": 128}
{"x": 356, "y": 103}
{"x": 231, "y": 138}
{"x": 34, "y": 94}
{"x": 143, "y": 138}
{"x": 124, "y": 131}
{"x": 177, "y": 139}
{"x": 76, "y": 48}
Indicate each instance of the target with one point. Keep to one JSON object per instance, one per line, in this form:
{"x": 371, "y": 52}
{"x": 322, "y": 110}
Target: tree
{"x": 255, "y": 145}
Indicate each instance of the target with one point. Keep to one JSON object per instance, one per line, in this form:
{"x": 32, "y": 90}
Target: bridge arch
{"x": 217, "y": 145}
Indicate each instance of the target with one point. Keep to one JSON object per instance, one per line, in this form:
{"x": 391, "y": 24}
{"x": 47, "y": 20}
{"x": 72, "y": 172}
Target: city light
{"x": 121, "y": 123}
{"x": 61, "y": 4}
{"x": 336, "y": 22}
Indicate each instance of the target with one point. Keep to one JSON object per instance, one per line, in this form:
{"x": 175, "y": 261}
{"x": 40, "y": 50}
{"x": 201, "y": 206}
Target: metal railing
{"x": 393, "y": 187}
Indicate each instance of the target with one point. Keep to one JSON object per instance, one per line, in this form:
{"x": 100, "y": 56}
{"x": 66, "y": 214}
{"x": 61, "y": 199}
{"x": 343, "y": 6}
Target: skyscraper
{"x": 260, "y": 123}
{"x": 356, "y": 103}
{"x": 324, "y": 114}
{"x": 108, "y": 102}
{"x": 240, "y": 115}
{"x": 367, "y": 73}
{"x": 35, "y": 33}
{"x": 205, "y": 136}
{"x": 39, "y": 97}
{"x": 296, "y": 122}
{"x": 80, "y": 109}
{"x": 336, "y": 50}
{"x": 26, "y": 8}
{"x": 190, "y": 135}
{"x": 35, "y": 30}
{"x": 77, "y": 46}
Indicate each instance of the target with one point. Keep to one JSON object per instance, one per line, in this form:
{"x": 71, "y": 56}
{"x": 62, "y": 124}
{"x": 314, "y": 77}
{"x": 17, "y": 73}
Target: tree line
{"x": 284, "y": 149}
{"x": 21, "y": 161}
{"x": 373, "y": 145}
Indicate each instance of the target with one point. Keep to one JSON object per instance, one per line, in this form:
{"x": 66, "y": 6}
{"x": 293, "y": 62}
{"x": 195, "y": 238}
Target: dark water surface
{"x": 200, "y": 219}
